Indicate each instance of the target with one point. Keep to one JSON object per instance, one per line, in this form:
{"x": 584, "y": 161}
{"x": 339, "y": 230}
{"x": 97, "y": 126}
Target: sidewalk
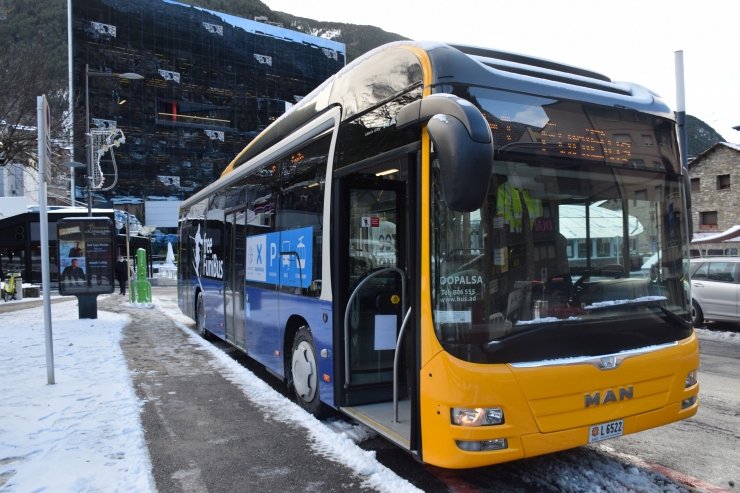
{"x": 202, "y": 432}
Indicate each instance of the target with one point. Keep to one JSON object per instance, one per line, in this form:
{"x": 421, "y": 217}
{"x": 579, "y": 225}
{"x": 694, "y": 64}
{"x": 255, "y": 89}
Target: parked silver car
{"x": 715, "y": 289}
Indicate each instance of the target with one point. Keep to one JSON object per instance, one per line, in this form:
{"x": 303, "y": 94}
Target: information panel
{"x": 283, "y": 258}
{"x": 86, "y": 253}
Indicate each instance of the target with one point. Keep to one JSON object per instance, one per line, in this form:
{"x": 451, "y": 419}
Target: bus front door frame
{"x": 354, "y": 400}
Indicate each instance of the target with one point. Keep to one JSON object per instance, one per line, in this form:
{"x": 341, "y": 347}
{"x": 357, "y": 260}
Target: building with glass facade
{"x": 211, "y": 83}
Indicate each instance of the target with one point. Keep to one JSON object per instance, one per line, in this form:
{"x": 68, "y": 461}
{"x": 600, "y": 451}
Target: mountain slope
{"x": 358, "y": 39}
{"x": 700, "y": 136}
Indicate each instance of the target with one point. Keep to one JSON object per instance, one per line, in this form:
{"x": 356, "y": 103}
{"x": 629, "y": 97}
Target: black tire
{"x": 697, "y": 317}
{"x": 200, "y": 317}
{"x": 304, "y": 373}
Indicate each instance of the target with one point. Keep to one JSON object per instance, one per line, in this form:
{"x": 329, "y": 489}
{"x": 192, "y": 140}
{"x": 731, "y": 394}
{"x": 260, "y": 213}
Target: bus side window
{"x": 303, "y": 175}
{"x": 260, "y": 198}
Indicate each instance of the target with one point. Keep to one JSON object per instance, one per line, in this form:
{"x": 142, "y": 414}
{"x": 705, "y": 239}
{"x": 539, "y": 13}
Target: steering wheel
{"x": 616, "y": 269}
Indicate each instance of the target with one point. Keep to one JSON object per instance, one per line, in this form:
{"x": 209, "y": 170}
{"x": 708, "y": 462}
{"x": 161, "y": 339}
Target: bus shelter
{"x": 20, "y": 243}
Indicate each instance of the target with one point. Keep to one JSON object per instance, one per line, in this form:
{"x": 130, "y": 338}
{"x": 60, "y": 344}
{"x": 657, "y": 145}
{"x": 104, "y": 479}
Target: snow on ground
{"x": 718, "y": 335}
{"x": 82, "y": 434}
{"x": 594, "y": 469}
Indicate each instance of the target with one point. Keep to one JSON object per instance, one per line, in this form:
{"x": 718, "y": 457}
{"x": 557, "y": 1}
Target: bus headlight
{"x": 479, "y": 416}
{"x": 691, "y": 379}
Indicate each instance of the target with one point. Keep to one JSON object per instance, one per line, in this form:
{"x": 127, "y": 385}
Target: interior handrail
{"x": 395, "y": 365}
{"x": 349, "y": 303}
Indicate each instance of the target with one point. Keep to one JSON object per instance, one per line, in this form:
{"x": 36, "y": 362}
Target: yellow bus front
{"x": 557, "y": 313}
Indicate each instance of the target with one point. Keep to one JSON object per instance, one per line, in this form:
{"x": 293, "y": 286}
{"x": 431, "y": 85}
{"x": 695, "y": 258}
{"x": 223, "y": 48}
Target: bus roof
{"x": 433, "y": 65}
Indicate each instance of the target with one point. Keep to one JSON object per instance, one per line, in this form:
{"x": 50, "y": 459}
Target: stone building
{"x": 715, "y": 189}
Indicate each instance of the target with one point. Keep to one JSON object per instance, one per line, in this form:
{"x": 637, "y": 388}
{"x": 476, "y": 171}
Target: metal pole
{"x": 88, "y": 141}
{"x": 683, "y": 138}
{"x": 128, "y": 270}
{"x": 71, "y": 104}
{"x": 41, "y": 108}
{"x": 395, "y": 365}
{"x": 681, "y": 109}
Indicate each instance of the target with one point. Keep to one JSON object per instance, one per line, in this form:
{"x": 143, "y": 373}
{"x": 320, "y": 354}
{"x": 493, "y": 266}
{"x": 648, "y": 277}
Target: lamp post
{"x": 88, "y": 150}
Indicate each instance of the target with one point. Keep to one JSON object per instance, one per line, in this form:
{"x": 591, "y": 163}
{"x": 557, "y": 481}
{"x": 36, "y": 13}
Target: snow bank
{"x": 718, "y": 335}
{"x": 82, "y": 434}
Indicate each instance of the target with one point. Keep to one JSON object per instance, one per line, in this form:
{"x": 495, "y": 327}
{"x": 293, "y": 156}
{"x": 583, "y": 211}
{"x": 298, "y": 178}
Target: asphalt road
{"x": 706, "y": 446}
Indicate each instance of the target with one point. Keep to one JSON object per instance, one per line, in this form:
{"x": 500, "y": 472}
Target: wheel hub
{"x": 304, "y": 376}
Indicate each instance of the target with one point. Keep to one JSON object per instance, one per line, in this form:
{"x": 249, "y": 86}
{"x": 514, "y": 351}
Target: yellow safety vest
{"x": 509, "y": 205}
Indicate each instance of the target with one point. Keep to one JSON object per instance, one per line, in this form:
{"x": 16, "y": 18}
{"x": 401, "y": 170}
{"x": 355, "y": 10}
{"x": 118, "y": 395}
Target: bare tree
{"x": 25, "y": 73}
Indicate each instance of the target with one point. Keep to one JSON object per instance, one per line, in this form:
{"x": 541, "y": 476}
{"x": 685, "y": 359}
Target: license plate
{"x": 606, "y": 430}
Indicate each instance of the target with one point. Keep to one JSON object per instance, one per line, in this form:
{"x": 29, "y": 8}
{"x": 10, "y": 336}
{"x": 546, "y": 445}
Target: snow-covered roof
{"x": 735, "y": 147}
{"x": 733, "y": 232}
{"x": 604, "y": 223}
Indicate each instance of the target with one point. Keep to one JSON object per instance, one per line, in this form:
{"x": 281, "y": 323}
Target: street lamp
{"x": 88, "y": 153}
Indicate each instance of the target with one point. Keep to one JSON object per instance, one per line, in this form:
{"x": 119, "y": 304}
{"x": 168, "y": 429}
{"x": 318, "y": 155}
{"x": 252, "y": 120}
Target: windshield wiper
{"x": 499, "y": 344}
{"x": 674, "y": 319}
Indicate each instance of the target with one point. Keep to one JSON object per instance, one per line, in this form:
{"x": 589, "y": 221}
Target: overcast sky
{"x": 627, "y": 40}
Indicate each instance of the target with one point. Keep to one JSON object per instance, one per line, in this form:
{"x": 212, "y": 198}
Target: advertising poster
{"x": 86, "y": 255}
{"x": 284, "y": 258}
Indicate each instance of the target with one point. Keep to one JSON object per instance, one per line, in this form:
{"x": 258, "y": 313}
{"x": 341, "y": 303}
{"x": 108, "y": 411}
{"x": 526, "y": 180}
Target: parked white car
{"x": 715, "y": 289}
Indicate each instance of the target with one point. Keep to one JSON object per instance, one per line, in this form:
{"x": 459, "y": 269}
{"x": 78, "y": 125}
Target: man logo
{"x": 609, "y": 396}
{"x": 609, "y": 362}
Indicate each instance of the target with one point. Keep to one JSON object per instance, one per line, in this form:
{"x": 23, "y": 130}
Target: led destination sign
{"x": 559, "y": 128}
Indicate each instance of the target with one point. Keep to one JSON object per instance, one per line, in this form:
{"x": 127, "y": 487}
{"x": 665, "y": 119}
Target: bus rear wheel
{"x": 200, "y": 317}
{"x": 304, "y": 372}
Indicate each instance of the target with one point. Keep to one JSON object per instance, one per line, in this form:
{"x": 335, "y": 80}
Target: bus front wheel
{"x": 304, "y": 370}
{"x": 200, "y": 317}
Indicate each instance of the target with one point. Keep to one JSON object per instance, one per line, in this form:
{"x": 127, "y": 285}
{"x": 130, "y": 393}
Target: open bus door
{"x": 372, "y": 297}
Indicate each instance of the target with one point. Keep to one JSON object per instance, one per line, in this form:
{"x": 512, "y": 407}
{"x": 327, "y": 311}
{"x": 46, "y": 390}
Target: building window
{"x": 695, "y": 185}
{"x": 723, "y": 182}
{"x": 648, "y": 140}
{"x": 603, "y": 247}
{"x": 640, "y": 195}
{"x": 708, "y": 219}
{"x": 623, "y": 138}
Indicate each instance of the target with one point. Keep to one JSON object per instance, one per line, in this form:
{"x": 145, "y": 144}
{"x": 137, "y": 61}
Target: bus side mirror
{"x": 464, "y": 145}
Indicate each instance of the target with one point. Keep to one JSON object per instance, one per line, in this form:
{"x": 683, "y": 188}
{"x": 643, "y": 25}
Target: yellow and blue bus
{"x": 481, "y": 255}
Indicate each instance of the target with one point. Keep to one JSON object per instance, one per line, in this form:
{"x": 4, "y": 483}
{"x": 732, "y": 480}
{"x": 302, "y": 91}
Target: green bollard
{"x": 141, "y": 290}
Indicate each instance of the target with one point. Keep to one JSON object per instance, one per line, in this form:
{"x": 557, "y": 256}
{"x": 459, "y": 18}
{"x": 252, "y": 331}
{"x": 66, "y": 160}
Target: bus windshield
{"x": 568, "y": 256}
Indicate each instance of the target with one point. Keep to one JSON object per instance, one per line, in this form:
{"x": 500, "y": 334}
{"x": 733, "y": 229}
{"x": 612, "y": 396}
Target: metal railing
{"x": 347, "y": 373}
